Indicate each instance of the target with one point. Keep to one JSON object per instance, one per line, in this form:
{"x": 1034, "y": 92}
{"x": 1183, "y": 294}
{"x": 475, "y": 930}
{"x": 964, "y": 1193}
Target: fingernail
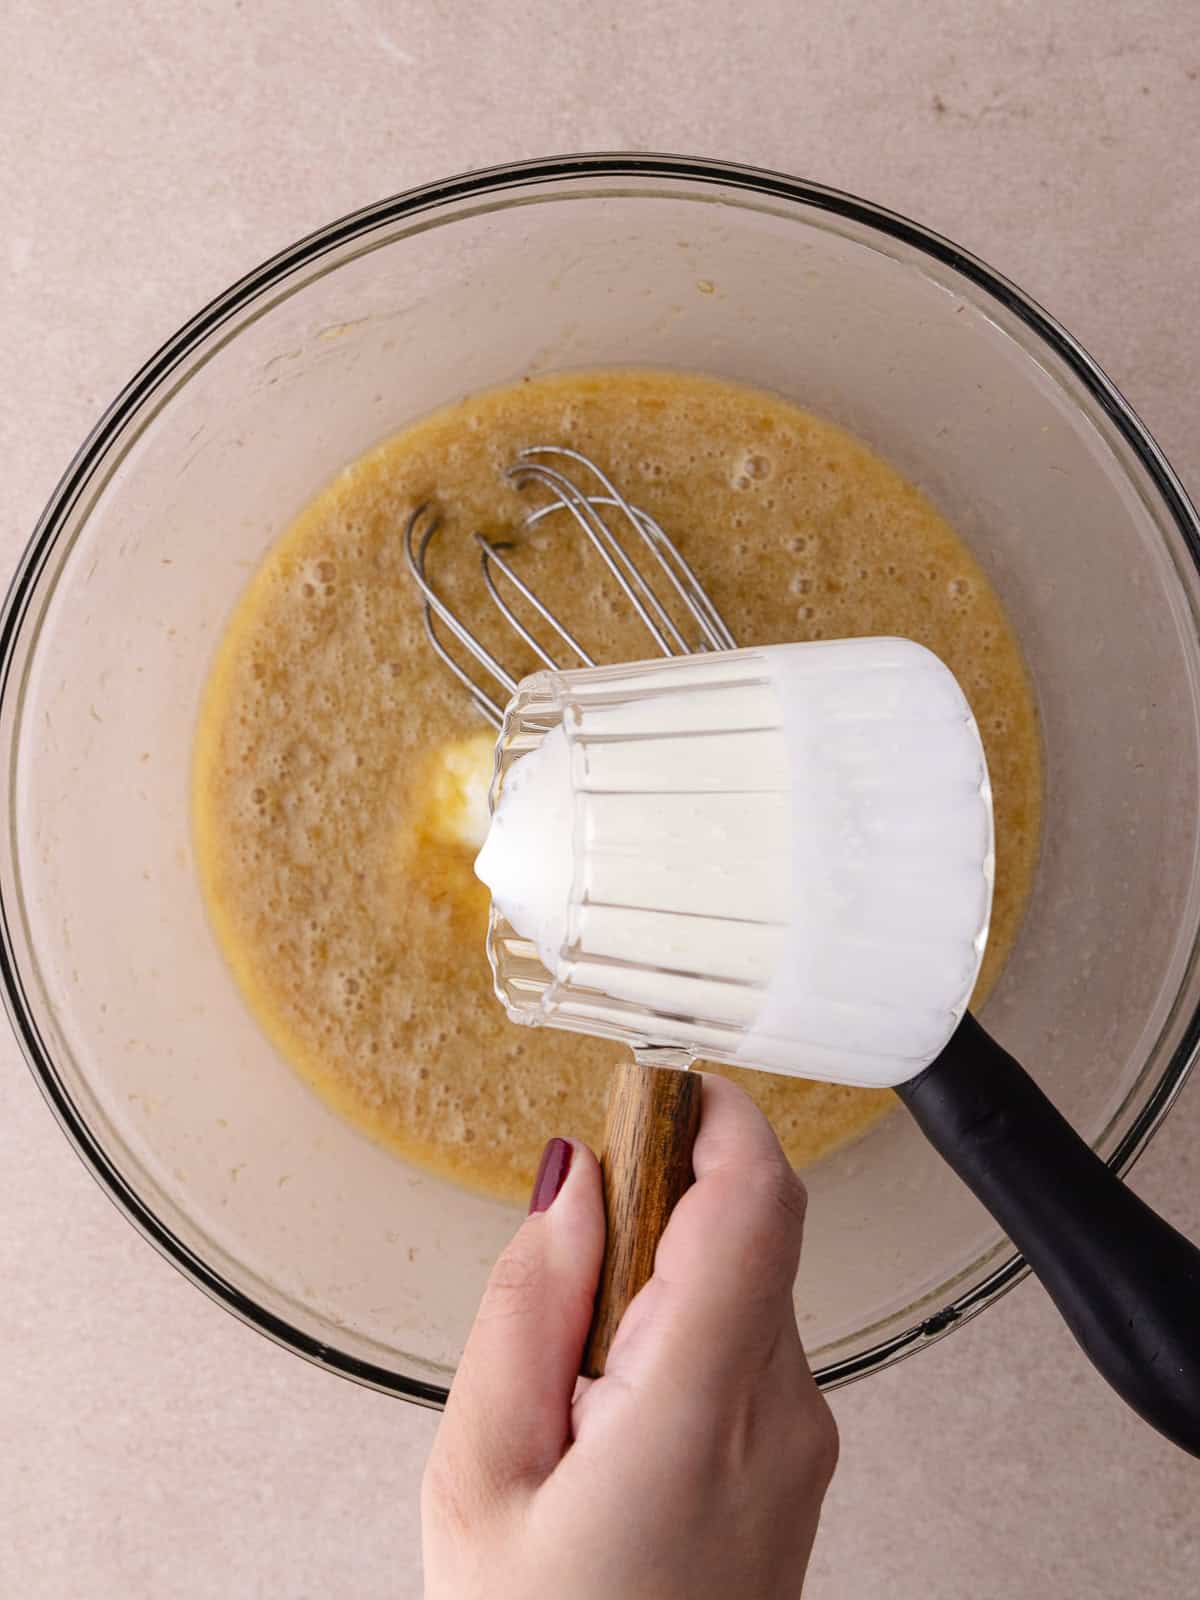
{"x": 551, "y": 1174}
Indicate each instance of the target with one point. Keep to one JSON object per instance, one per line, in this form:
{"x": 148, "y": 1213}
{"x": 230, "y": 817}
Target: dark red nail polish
{"x": 551, "y": 1174}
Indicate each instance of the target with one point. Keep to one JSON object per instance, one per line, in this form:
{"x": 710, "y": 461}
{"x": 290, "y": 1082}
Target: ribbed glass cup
{"x": 778, "y": 857}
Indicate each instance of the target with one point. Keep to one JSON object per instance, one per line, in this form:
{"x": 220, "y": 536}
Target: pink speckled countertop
{"x": 150, "y": 1446}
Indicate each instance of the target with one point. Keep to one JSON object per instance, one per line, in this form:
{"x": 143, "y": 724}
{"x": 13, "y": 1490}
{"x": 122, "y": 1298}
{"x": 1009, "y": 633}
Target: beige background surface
{"x": 155, "y": 150}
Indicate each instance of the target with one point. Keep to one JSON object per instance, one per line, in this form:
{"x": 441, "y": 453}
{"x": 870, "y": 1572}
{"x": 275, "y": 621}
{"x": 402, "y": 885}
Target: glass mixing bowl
{"x": 214, "y": 1148}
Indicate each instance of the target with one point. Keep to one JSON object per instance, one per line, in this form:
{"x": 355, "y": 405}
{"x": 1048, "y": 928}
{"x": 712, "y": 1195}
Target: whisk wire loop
{"x": 608, "y": 519}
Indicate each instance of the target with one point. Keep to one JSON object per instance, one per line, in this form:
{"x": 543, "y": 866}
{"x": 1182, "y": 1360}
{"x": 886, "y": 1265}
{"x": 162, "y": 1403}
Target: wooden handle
{"x": 653, "y": 1113}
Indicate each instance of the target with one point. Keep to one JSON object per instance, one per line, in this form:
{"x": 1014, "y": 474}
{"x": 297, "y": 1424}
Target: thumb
{"x": 508, "y": 1418}
{"x": 720, "y": 1298}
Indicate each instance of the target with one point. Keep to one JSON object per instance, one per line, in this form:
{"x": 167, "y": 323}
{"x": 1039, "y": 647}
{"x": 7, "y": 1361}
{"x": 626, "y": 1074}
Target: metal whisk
{"x": 627, "y": 539}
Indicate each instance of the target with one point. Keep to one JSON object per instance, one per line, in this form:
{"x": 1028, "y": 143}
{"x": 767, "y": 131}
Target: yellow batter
{"x": 333, "y": 746}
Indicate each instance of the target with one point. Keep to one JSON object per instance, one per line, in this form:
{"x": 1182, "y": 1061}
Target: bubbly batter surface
{"x": 334, "y": 749}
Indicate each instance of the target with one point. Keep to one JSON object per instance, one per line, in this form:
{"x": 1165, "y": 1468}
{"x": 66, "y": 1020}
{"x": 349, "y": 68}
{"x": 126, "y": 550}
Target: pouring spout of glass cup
{"x": 783, "y": 858}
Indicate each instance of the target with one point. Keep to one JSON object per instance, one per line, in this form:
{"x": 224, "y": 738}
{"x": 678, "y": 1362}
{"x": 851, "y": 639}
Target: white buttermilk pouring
{"x": 792, "y": 844}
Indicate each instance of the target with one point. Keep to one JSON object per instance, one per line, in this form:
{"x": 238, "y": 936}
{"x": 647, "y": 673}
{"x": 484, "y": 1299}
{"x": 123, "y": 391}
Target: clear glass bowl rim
{"x": 147, "y": 389}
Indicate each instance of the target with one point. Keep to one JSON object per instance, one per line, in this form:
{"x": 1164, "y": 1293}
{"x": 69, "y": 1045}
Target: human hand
{"x": 696, "y": 1466}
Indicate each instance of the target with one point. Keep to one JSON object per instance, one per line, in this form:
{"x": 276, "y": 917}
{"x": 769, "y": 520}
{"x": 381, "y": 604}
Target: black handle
{"x": 1127, "y": 1284}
